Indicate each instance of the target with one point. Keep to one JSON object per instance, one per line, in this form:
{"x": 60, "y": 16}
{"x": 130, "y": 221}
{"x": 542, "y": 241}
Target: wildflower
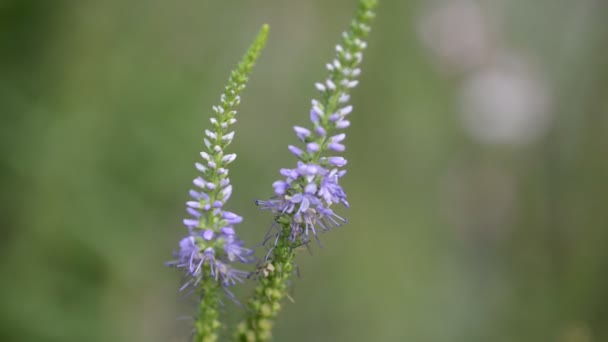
{"x": 305, "y": 195}
{"x": 212, "y": 246}
{"x": 208, "y": 253}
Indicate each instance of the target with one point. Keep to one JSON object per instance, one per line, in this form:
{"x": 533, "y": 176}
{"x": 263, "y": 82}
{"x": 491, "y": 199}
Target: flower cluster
{"x": 211, "y": 247}
{"x": 303, "y": 199}
{"x": 212, "y": 244}
{"x": 306, "y": 194}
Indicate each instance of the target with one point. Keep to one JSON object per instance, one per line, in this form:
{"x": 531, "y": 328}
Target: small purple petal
{"x": 231, "y": 218}
{"x": 280, "y": 187}
{"x": 200, "y": 167}
{"x": 297, "y": 198}
{"x": 307, "y": 169}
{"x": 190, "y": 223}
{"x": 320, "y": 131}
{"x": 337, "y": 161}
{"x": 289, "y": 173}
{"x": 311, "y": 188}
{"x": 312, "y": 147}
{"x": 205, "y": 156}
{"x": 305, "y": 204}
{"x": 346, "y": 110}
{"x": 229, "y": 158}
{"x": 338, "y": 138}
{"x": 195, "y": 195}
{"x": 315, "y": 114}
{"x": 208, "y": 234}
{"x": 187, "y": 244}
{"x": 337, "y": 147}
{"x": 193, "y": 212}
{"x": 193, "y": 204}
{"x": 226, "y": 193}
{"x": 342, "y": 124}
{"x": 296, "y": 151}
{"x": 228, "y": 136}
{"x": 227, "y": 230}
{"x": 301, "y": 132}
{"x": 199, "y": 182}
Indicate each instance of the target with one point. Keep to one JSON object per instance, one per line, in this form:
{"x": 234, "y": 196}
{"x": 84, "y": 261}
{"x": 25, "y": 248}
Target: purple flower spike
{"x": 211, "y": 248}
{"x": 304, "y": 197}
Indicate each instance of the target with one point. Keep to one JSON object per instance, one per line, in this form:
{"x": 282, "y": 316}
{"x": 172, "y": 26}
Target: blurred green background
{"x": 477, "y": 166}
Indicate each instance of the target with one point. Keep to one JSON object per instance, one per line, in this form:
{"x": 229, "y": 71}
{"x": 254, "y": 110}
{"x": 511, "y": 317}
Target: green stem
{"x": 207, "y": 323}
{"x": 265, "y": 303}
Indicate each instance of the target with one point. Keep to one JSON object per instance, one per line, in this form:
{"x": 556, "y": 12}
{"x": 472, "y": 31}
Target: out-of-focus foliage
{"x": 477, "y": 156}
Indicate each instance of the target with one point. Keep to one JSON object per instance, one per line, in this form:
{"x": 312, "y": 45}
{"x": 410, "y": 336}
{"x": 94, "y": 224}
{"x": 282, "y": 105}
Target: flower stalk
{"x": 304, "y": 197}
{"x": 209, "y": 252}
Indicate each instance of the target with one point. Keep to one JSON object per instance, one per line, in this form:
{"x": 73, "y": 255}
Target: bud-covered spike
{"x": 207, "y": 254}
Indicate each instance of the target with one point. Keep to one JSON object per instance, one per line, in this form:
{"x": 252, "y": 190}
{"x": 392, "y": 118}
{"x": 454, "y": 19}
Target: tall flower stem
{"x": 211, "y": 248}
{"x": 302, "y": 202}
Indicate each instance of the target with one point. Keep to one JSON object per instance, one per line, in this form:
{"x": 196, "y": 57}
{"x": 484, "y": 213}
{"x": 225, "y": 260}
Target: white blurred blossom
{"x": 506, "y": 103}
{"x": 457, "y": 32}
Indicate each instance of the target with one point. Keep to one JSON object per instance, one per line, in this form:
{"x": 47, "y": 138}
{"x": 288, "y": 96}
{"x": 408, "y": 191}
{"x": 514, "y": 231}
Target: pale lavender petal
{"x": 208, "y": 234}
